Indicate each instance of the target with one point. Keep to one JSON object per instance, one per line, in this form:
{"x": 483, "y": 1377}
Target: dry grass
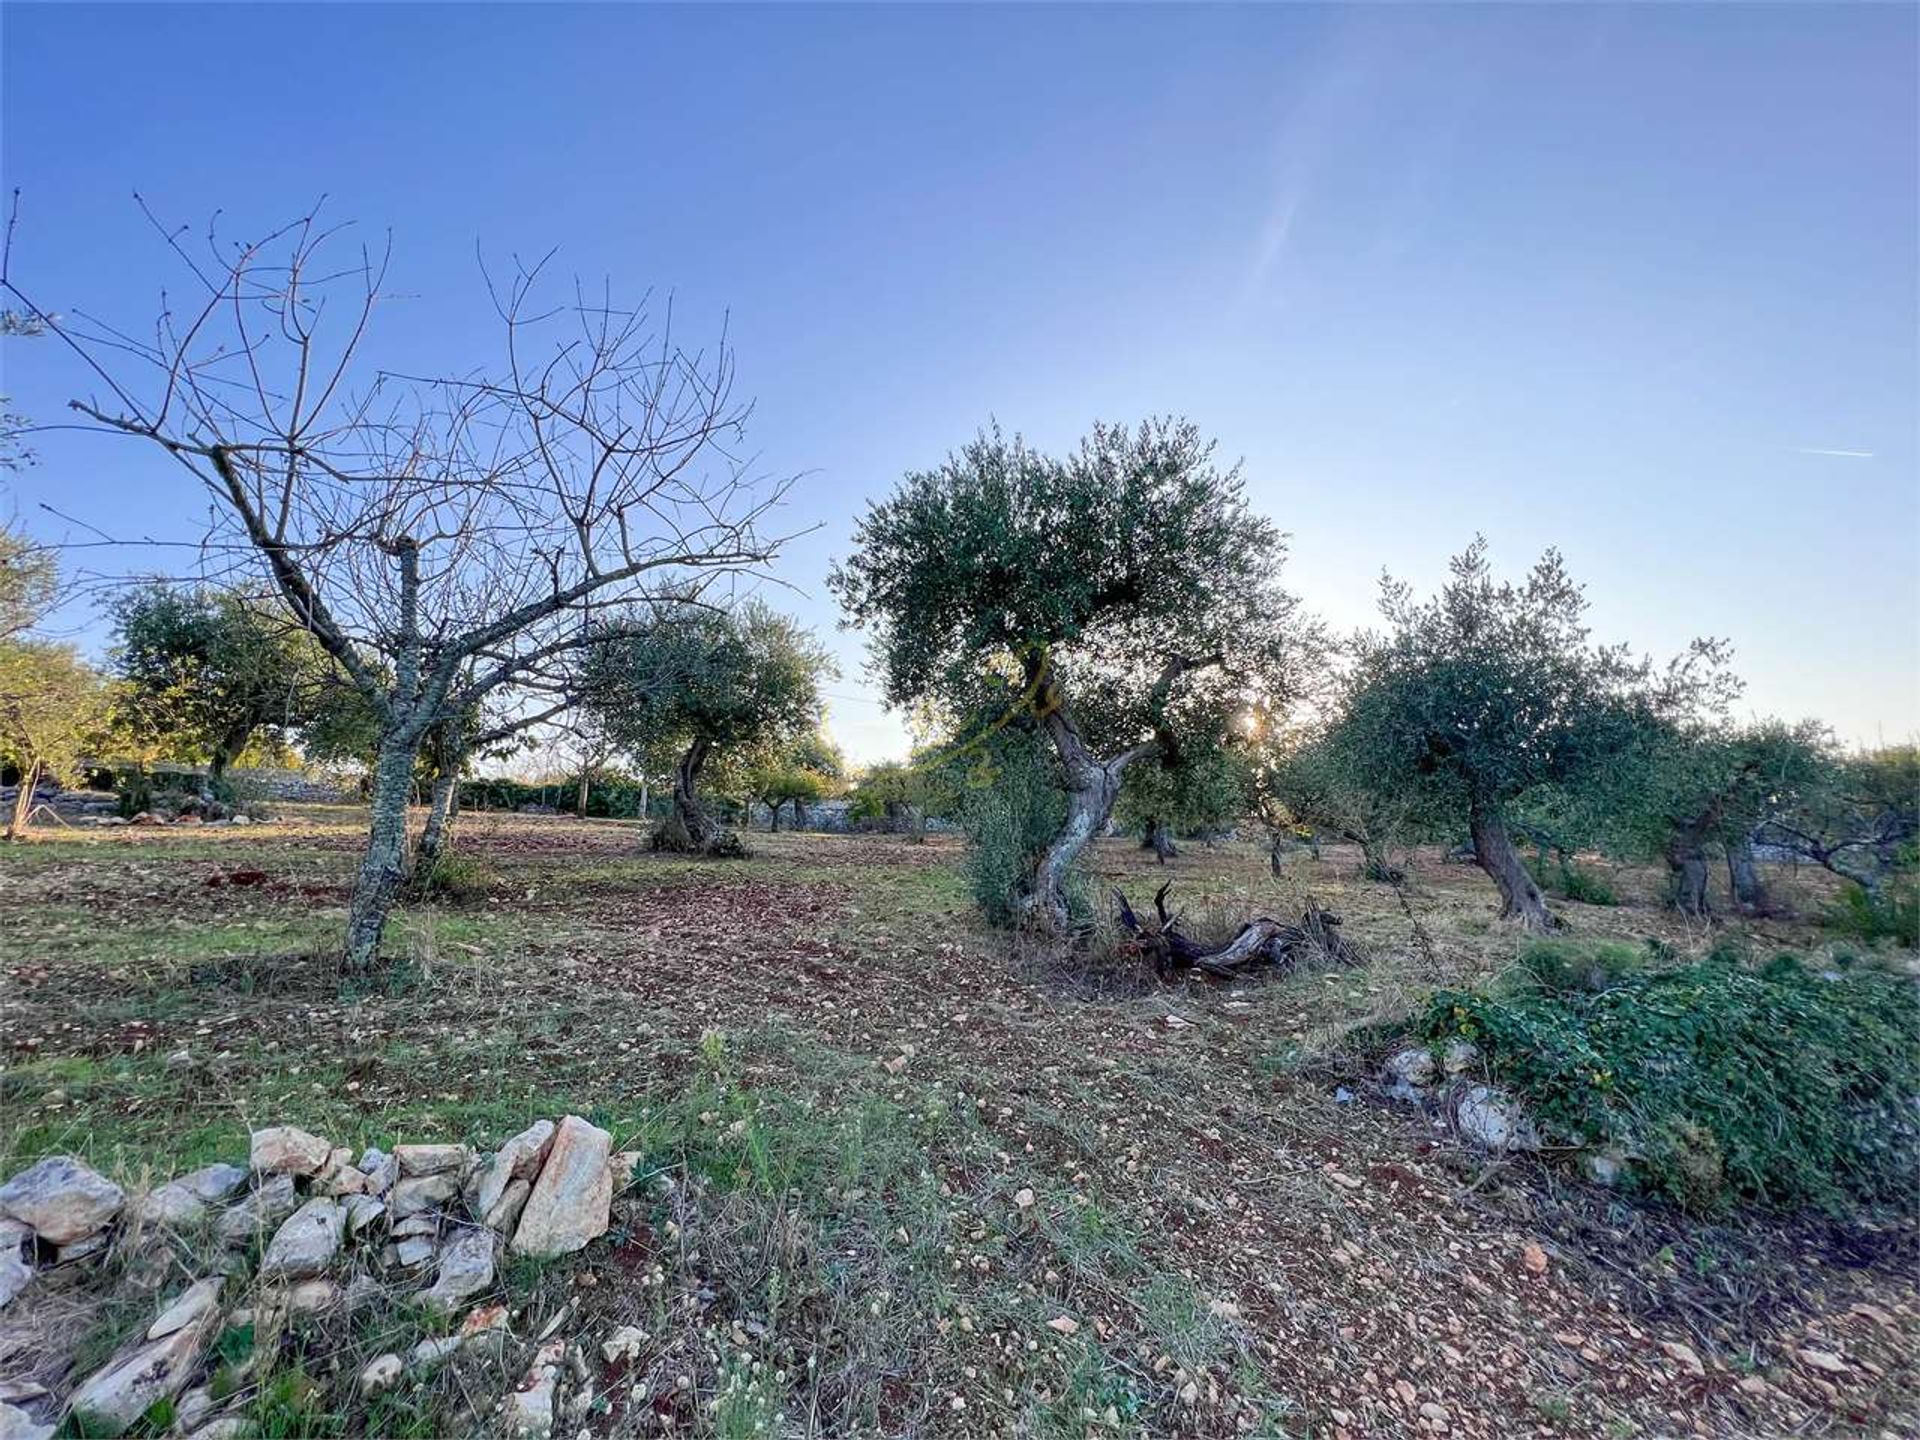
{"x": 844, "y": 1086}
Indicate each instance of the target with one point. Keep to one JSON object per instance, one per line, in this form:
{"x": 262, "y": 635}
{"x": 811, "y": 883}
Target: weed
{"x": 1894, "y": 914}
{"x": 1564, "y": 966}
{"x": 1776, "y": 1085}
{"x": 454, "y": 876}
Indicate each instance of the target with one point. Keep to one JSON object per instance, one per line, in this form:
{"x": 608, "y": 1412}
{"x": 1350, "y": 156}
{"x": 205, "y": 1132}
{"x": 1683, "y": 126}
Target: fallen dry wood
{"x": 1262, "y": 941}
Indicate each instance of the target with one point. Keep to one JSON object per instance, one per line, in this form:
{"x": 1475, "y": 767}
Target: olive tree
{"x": 801, "y": 773}
{"x": 1858, "y": 819}
{"x": 205, "y": 669}
{"x": 1686, "y": 790}
{"x": 1124, "y": 593}
{"x": 1317, "y": 783}
{"x": 440, "y": 537}
{"x": 1202, "y": 788}
{"x": 702, "y": 685}
{"x": 54, "y": 708}
{"x": 1491, "y": 690}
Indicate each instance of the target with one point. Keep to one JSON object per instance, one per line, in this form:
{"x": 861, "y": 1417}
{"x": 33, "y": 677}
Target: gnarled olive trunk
{"x": 1092, "y": 789}
{"x": 1687, "y": 870}
{"x": 1520, "y": 899}
{"x": 384, "y": 866}
{"x": 1743, "y": 878}
{"x": 688, "y": 828}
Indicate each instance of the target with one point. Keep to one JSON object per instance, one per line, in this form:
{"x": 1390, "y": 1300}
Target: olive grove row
{"x": 416, "y": 571}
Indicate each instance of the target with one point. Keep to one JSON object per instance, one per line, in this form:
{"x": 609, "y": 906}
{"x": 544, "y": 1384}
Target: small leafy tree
{"x": 53, "y": 710}
{"x": 1204, "y": 788}
{"x": 1318, "y": 784}
{"x": 1691, "y": 788}
{"x": 1124, "y": 596}
{"x": 29, "y": 582}
{"x": 703, "y": 684}
{"x": 1859, "y": 820}
{"x": 902, "y": 795}
{"x": 207, "y": 669}
{"x": 799, "y": 774}
{"x": 1491, "y": 690}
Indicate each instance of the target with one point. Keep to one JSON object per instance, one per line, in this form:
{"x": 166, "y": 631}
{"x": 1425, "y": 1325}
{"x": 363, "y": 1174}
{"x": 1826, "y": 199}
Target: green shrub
{"x": 1776, "y": 1086}
{"x": 1892, "y": 915}
{"x": 1568, "y": 880}
{"x": 1562, "y": 966}
{"x": 1011, "y": 810}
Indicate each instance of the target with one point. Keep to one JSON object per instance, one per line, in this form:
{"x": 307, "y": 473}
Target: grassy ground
{"x": 899, "y": 1182}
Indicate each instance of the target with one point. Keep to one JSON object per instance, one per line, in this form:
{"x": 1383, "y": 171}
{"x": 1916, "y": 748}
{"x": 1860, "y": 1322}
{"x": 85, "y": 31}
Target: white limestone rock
{"x": 63, "y": 1200}
{"x": 307, "y": 1241}
{"x": 571, "y": 1201}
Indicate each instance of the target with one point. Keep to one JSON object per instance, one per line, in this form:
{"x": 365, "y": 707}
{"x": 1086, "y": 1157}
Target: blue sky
{"x": 1637, "y": 282}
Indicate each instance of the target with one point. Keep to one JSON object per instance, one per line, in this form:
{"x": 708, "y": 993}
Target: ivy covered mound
{"x": 1719, "y": 1081}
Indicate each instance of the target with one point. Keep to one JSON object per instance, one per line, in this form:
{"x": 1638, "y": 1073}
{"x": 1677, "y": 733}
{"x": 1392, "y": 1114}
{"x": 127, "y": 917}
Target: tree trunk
{"x": 225, "y": 750}
{"x": 22, "y": 810}
{"x": 1160, "y": 841}
{"x": 1089, "y": 804}
{"x": 1092, "y": 786}
{"x": 1520, "y": 899}
{"x": 688, "y": 828}
{"x": 775, "y": 808}
{"x": 1687, "y": 863}
{"x": 1092, "y": 789}
{"x": 1374, "y": 864}
{"x": 580, "y": 805}
{"x": 442, "y": 800}
{"x": 1743, "y": 878}
{"x": 385, "y": 863}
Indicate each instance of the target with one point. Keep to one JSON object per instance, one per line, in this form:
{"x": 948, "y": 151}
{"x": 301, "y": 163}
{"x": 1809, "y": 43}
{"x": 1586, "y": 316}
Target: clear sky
{"x": 1639, "y": 282}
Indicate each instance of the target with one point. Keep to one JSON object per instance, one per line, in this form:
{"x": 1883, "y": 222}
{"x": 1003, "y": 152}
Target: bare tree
{"x": 441, "y": 537}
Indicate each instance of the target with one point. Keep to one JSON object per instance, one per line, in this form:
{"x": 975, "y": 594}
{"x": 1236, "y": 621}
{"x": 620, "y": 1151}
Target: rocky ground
{"x": 887, "y": 1179}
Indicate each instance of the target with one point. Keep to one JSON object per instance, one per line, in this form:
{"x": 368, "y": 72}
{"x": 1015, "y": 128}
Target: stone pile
{"x": 431, "y": 1219}
{"x": 154, "y": 817}
{"x": 1481, "y": 1114}
{"x": 1450, "y": 1085}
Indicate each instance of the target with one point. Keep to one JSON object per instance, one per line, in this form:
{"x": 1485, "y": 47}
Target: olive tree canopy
{"x": 1688, "y": 788}
{"x": 1491, "y": 689}
{"x": 1124, "y": 593}
{"x": 207, "y": 668}
{"x": 701, "y": 684}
